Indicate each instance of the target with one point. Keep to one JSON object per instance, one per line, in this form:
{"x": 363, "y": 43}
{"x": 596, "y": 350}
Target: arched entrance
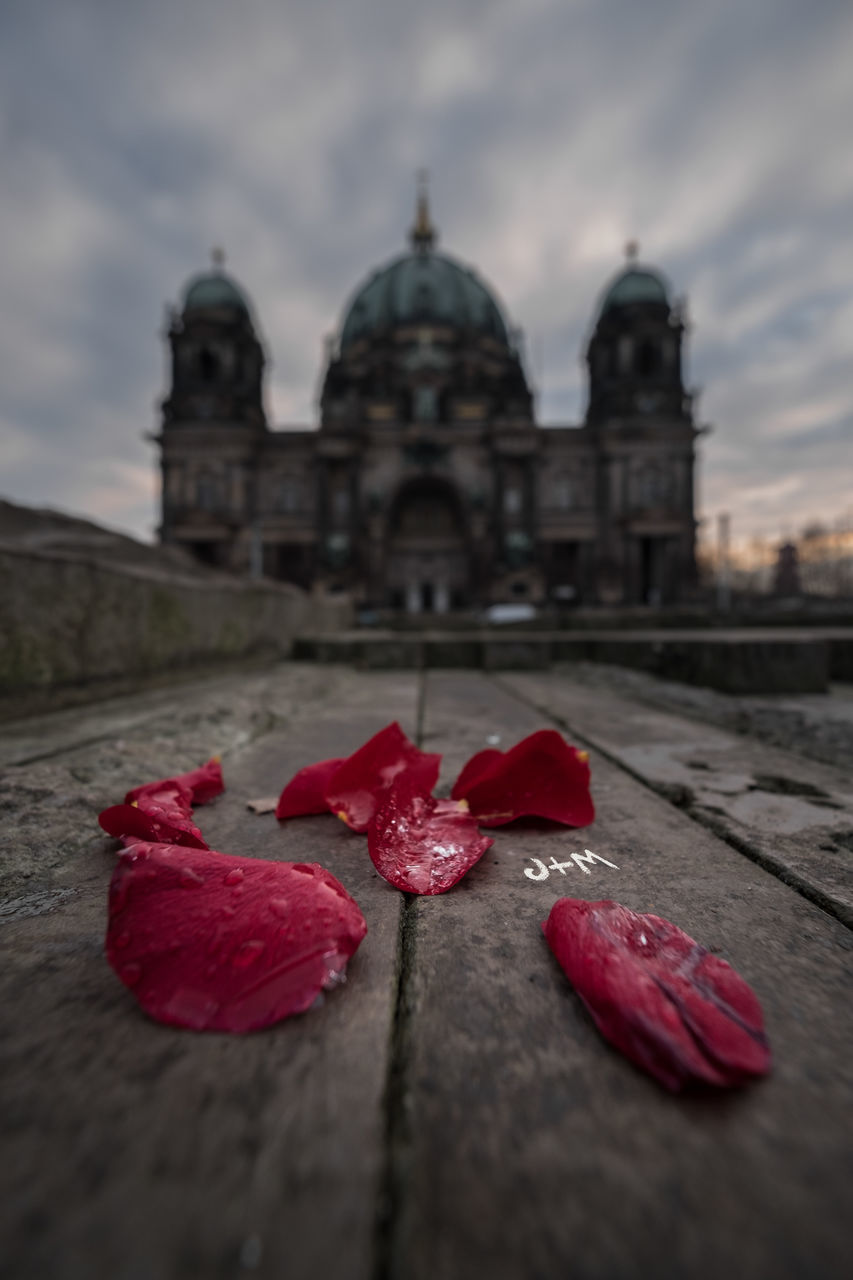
{"x": 427, "y": 564}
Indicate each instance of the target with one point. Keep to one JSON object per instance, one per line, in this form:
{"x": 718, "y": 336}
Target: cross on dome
{"x": 423, "y": 233}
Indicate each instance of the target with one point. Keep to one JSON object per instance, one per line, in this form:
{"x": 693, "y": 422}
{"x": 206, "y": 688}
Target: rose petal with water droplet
{"x": 201, "y": 785}
{"x": 673, "y": 1008}
{"x": 541, "y": 776}
{"x": 420, "y": 844}
{"x": 356, "y": 788}
{"x": 215, "y": 960}
{"x": 306, "y": 791}
{"x": 151, "y": 821}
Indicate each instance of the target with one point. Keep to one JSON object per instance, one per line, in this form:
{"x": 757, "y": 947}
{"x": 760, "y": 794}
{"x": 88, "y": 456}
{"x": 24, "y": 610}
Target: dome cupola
{"x": 215, "y": 291}
{"x": 634, "y": 284}
{"x": 422, "y": 287}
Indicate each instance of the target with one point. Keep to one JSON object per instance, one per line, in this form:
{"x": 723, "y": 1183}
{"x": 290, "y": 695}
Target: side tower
{"x": 640, "y": 417}
{"x": 214, "y": 425}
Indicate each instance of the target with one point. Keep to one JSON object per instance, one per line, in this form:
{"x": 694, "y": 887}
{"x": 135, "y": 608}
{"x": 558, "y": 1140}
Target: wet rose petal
{"x": 148, "y": 819}
{"x": 306, "y": 791}
{"x": 220, "y": 943}
{"x": 420, "y": 844}
{"x": 669, "y": 1005}
{"x": 200, "y": 785}
{"x": 541, "y": 776}
{"x": 356, "y": 788}
{"x": 478, "y": 765}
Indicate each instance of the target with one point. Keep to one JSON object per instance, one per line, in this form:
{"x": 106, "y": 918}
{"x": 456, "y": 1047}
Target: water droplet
{"x": 234, "y": 877}
{"x": 643, "y": 939}
{"x": 303, "y": 868}
{"x": 121, "y": 941}
{"x": 190, "y": 879}
{"x": 280, "y": 907}
{"x": 248, "y": 953}
{"x": 131, "y": 973}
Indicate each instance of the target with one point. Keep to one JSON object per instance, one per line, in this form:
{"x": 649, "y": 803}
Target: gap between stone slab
{"x": 696, "y": 813}
{"x": 395, "y": 1108}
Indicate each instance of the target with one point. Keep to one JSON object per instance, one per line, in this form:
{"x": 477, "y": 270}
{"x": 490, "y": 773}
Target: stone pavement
{"x": 451, "y": 1112}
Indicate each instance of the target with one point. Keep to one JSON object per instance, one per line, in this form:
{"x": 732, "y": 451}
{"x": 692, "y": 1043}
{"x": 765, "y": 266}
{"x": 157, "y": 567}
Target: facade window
{"x": 512, "y": 501}
{"x": 208, "y": 365}
{"x": 652, "y": 486}
{"x": 207, "y": 491}
{"x": 648, "y": 359}
{"x": 564, "y": 493}
{"x": 425, "y": 404}
{"x": 626, "y": 354}
{"x": 286, "y": 499}
{"x": 340, "y": 504}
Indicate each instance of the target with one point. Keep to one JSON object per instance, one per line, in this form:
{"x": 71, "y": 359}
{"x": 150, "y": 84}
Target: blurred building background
{"x": 427, "y": 484}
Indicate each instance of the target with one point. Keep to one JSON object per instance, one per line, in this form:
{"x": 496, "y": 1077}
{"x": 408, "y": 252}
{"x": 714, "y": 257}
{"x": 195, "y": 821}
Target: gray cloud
{"x": 139, "y": 136}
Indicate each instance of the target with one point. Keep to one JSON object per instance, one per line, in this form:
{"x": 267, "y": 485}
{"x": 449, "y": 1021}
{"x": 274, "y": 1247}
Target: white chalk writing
{"x": 583, "y": 861}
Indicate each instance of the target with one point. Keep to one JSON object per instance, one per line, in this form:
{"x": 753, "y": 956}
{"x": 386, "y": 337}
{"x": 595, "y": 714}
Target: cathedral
{"x": 427, "y": 484}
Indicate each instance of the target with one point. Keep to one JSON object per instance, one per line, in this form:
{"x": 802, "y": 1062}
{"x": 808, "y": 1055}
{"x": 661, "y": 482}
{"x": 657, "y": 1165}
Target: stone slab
{"x": 817, "y": 725}
{"x": 794, "y": 816}
{"x": 738, "y": 661}
{"x": 134, "y": 1151}
{"x": 523, "y": 1145}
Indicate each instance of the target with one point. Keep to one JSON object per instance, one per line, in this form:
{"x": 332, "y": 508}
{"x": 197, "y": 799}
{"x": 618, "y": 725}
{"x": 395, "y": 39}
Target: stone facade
{"x": 427, "y": 485}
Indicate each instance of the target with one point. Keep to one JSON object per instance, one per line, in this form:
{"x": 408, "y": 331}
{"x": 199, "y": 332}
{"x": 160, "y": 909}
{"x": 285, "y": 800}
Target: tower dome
{"x": 633, "y": 284}
{"x": 215, "y": 289}
{"x": 422, "y": 286}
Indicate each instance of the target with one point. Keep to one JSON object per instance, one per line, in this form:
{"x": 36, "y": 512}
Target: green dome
{"x": 422, "y": 286}
{"x": 214, "y": 289}
{"x": 635, "y": 284}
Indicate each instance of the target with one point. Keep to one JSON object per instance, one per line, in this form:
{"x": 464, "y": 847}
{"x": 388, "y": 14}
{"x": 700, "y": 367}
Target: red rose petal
{"x": 668, "y": 1004}
{"x": 148, "y": 819}
{"x": 219, "y": 943}
{"x": 306, "y": 791}
{"x": 202, "y": 784}
{"x": 541, "y": 776}
{"x": 420, "y": 844}
{"x": 356, "y": 787}
{"x": 478, "y": 765}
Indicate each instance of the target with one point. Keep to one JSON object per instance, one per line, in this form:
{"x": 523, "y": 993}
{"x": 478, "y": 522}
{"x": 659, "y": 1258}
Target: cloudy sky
{"x": 134, "y": 136}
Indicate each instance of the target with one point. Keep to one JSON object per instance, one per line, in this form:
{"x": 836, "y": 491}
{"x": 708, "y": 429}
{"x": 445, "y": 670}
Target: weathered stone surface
{"x": 66, "y": 619}
{"x": 136, "y": 1150}
{"x": 451, "y": 1112}
{"x": 794, "y": 816}
{"x": 525, "y": 1146}
{"x": 746, "y": 660}
{"x": 819, "y": 726}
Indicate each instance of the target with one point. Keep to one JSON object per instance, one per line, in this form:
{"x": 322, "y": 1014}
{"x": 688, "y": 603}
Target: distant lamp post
{"x": 724, "y": 591}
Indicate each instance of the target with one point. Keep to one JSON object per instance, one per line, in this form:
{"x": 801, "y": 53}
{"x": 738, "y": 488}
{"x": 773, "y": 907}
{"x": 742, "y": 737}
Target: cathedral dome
{"x": 214, "y": 289}
{"x": 635, "y": 284}
{"x": 422, "y": 287}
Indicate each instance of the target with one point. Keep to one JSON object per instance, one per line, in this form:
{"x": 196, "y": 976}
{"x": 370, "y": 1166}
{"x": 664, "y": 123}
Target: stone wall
{"x": 66, "y": 619}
